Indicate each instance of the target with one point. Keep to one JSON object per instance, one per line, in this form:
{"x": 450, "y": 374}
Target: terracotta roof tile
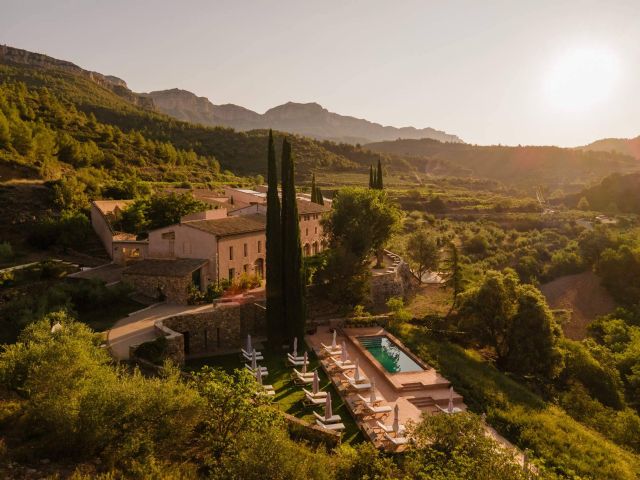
{"x": 178, "y": 267}
{"x": 223, "y": 227}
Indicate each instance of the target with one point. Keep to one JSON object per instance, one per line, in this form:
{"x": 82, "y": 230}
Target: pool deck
{"x": 415, "y": 393}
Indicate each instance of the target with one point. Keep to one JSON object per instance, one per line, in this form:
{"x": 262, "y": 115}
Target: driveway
{"x": 138, "y": 327}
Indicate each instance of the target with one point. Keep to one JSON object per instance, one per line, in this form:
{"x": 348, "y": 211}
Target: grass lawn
{"x": 103, "y": 319}
{"x": 288, "y": 396}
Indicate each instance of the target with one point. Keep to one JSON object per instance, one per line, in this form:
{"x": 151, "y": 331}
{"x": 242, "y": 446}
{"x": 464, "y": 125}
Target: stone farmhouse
{"x": 205, "y": 247}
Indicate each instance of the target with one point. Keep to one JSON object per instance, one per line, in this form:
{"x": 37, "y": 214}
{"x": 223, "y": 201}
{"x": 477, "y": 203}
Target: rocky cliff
{"x": 10, "y": 55}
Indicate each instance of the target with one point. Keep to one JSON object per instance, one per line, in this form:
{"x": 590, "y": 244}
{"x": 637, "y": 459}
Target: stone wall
{"x": 175, "y": 289}
{"x": 220, "y": 330}
{"x": 395, "y": 281}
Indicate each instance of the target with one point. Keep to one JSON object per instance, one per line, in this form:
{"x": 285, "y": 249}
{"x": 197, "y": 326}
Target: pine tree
{"x": 292, "y": 278}
{"x": 5, "y": 133}
{"x": 379, "y": 184}
{"x": 275, "y": 309}
{"x": 372, "y": 180}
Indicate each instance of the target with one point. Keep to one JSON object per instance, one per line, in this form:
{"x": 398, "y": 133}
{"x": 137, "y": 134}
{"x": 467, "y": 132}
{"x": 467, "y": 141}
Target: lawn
{"x": 288, "y": 396}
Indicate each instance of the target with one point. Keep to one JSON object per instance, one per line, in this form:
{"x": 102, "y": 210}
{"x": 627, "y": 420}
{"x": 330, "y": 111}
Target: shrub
{"x": 154, "y": 351}
{"x": 6, "y": 252}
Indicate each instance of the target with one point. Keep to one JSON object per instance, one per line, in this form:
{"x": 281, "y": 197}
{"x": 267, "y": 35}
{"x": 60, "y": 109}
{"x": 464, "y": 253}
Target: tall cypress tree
{"x": 379, "y": 184}
{"x": 292, "y": 278}
{"x": 319, "y": 196}
{"x": 275, "y": 321}
{"x": 314, "y": 193}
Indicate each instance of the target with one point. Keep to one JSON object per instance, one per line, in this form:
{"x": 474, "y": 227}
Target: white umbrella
{"x": 254, "y": 360}
{"x": 396, "y": 420}
{"x": 248, "y": 349}
{"x": 450, "y": 407}
{"x": 356, "y": 376}
{"x": 333, "y": 341}
{"x": 259, "y": 376}
{"x": 304, "y": 363}
{"x": 316, "y": 382}
{"x": 295, "y": 346}
{"x": 345, "y": 354}
{"x": 328, "y": 412}
{"x": 372, "y": 398}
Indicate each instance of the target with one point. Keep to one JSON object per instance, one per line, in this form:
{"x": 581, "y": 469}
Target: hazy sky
{"x": 510, "y": 72}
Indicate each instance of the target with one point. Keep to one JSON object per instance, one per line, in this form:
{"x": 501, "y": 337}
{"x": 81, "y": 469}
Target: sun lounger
{"x": 316, "y": 395}
{"x": 389, "y": 428}
{"x": 295, "y": 363}
{"x": 353, "y": 380}
{"x": 249, "y": 358}
{"x": 360, "y": 387}
{"x": 397, "y": 441}
{"x": 446, "y": 410}
{"x": 331, "y": 426}
{"x": 323, "y": 419}
{"x": 263, "y": 370}
{"x": 383, "y": 410}
{"x": 331, "y": 351}
{"x": 367, "y": 400}
{"x": 248, "y": 354}
{"x": 337, "y": 361}
{"x": 295, "y": 359}
{"x": 299, "y": 379}
{"x": 300, "y": 374}
{"x": 308, "y": 401}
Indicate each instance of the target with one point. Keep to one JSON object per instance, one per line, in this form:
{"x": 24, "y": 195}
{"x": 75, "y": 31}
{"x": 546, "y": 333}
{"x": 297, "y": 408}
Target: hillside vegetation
{"x": 528, "y": 165}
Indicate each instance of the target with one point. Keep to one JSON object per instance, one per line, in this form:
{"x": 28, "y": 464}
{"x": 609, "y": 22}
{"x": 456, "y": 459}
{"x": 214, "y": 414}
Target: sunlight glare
{"x": 581, "y": 78}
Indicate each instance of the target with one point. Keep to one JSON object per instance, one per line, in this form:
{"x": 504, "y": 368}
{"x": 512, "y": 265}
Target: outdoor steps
{"x": 419, "y": 386}
{"x": 422, "y": 402}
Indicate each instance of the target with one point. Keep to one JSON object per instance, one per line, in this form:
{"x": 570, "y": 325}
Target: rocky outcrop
{"x": 10, "y": 55}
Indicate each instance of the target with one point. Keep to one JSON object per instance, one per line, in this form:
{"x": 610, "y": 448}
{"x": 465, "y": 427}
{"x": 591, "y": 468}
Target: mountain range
{"x": 309, "y": 119}
{"x": 626, "y": 146}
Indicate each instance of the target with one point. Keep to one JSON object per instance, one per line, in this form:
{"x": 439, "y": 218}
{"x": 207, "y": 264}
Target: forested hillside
{"x": 551, "y": 166}
{"x": 616, "y": 193}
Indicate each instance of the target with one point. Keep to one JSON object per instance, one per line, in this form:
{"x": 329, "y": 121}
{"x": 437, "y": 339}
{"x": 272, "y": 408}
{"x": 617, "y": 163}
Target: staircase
{"x": 423, "y": 402}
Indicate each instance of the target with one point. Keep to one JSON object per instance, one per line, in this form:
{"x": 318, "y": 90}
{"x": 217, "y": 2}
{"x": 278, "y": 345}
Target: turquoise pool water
{"x": 389, "y": 354}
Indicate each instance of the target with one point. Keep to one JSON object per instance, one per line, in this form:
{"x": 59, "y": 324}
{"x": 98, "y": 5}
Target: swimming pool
{"x": 392, "y": 357}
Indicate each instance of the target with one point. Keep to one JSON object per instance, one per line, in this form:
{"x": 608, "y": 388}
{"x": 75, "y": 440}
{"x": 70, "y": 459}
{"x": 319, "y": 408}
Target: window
{"x": 306, "y": 231}
{"x": 316, "y": 231}
{"x": 245, "y": 267}
{"x": 232, "y": 274}
{"x": 169, "y": 236}
{"x": 230, "y": 253}
{"x": 246, "y": 250}
{"x": 259, "y": 246}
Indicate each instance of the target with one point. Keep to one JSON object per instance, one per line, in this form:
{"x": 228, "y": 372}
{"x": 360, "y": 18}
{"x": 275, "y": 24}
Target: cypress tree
{"x": 319, "y": 197}
{"x": 292, "y": 278}
{"x": 314, "y": 193}
{"x": 275, "y": 321}
{"x": 372, "y": 180}
{"x": 379, "y": 184}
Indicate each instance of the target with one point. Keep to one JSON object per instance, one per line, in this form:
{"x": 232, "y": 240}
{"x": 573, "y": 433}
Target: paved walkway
{"x": 138, "y": 327}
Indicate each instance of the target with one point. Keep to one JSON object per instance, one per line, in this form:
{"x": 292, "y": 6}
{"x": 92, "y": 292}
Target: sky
{"x": 492, "y": 72}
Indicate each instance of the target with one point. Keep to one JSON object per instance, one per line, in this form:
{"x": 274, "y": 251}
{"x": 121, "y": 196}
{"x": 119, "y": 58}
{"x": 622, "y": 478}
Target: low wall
{"x": 175, "y": 289}
{"x": 216, "y": 331}
{"x": 395, "y": 281}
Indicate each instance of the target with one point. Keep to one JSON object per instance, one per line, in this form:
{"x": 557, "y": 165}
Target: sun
{"x": 580, "y": 79}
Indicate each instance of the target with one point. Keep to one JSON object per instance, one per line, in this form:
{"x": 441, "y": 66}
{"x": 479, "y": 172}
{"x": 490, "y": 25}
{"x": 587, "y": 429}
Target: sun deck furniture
{"x": 295, "y": 363}
{"x": 389, "y": 428}
{"x": 447, "y": 410}
{"x": 339, "y": 362}
{"x": 301, "y": 374}
{"x": 329, "y": 350}
{"x": 315, "y": 401}
{"x": 331, "y": 426}
{"x": 263, "y": 370}
{"x": 397, "y": 441}
{"x": 359, "y": 387}
{"x": 295, "y": 358}
{"x": 315, "y": 395}
{"x": 353, "y": 380}
{"x": 248, "y": 354}
{"x": 300, "y": 379}
{"x": 367, "y": 400}
{"x": 250, "y": 357}
{"x": 383, "y": 410}
{"x": 323, "y": 419}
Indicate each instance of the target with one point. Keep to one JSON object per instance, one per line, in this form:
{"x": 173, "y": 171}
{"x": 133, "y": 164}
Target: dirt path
{"x": 584, "y": 296}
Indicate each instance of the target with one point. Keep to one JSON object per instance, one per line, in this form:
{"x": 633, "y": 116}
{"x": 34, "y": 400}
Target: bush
{"x": 154, "y": 351}
{"x": 6, "y": 252}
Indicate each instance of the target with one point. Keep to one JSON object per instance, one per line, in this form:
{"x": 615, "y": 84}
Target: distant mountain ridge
{"x": 626, "y": 146}
{"x": 309, "y": 119}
